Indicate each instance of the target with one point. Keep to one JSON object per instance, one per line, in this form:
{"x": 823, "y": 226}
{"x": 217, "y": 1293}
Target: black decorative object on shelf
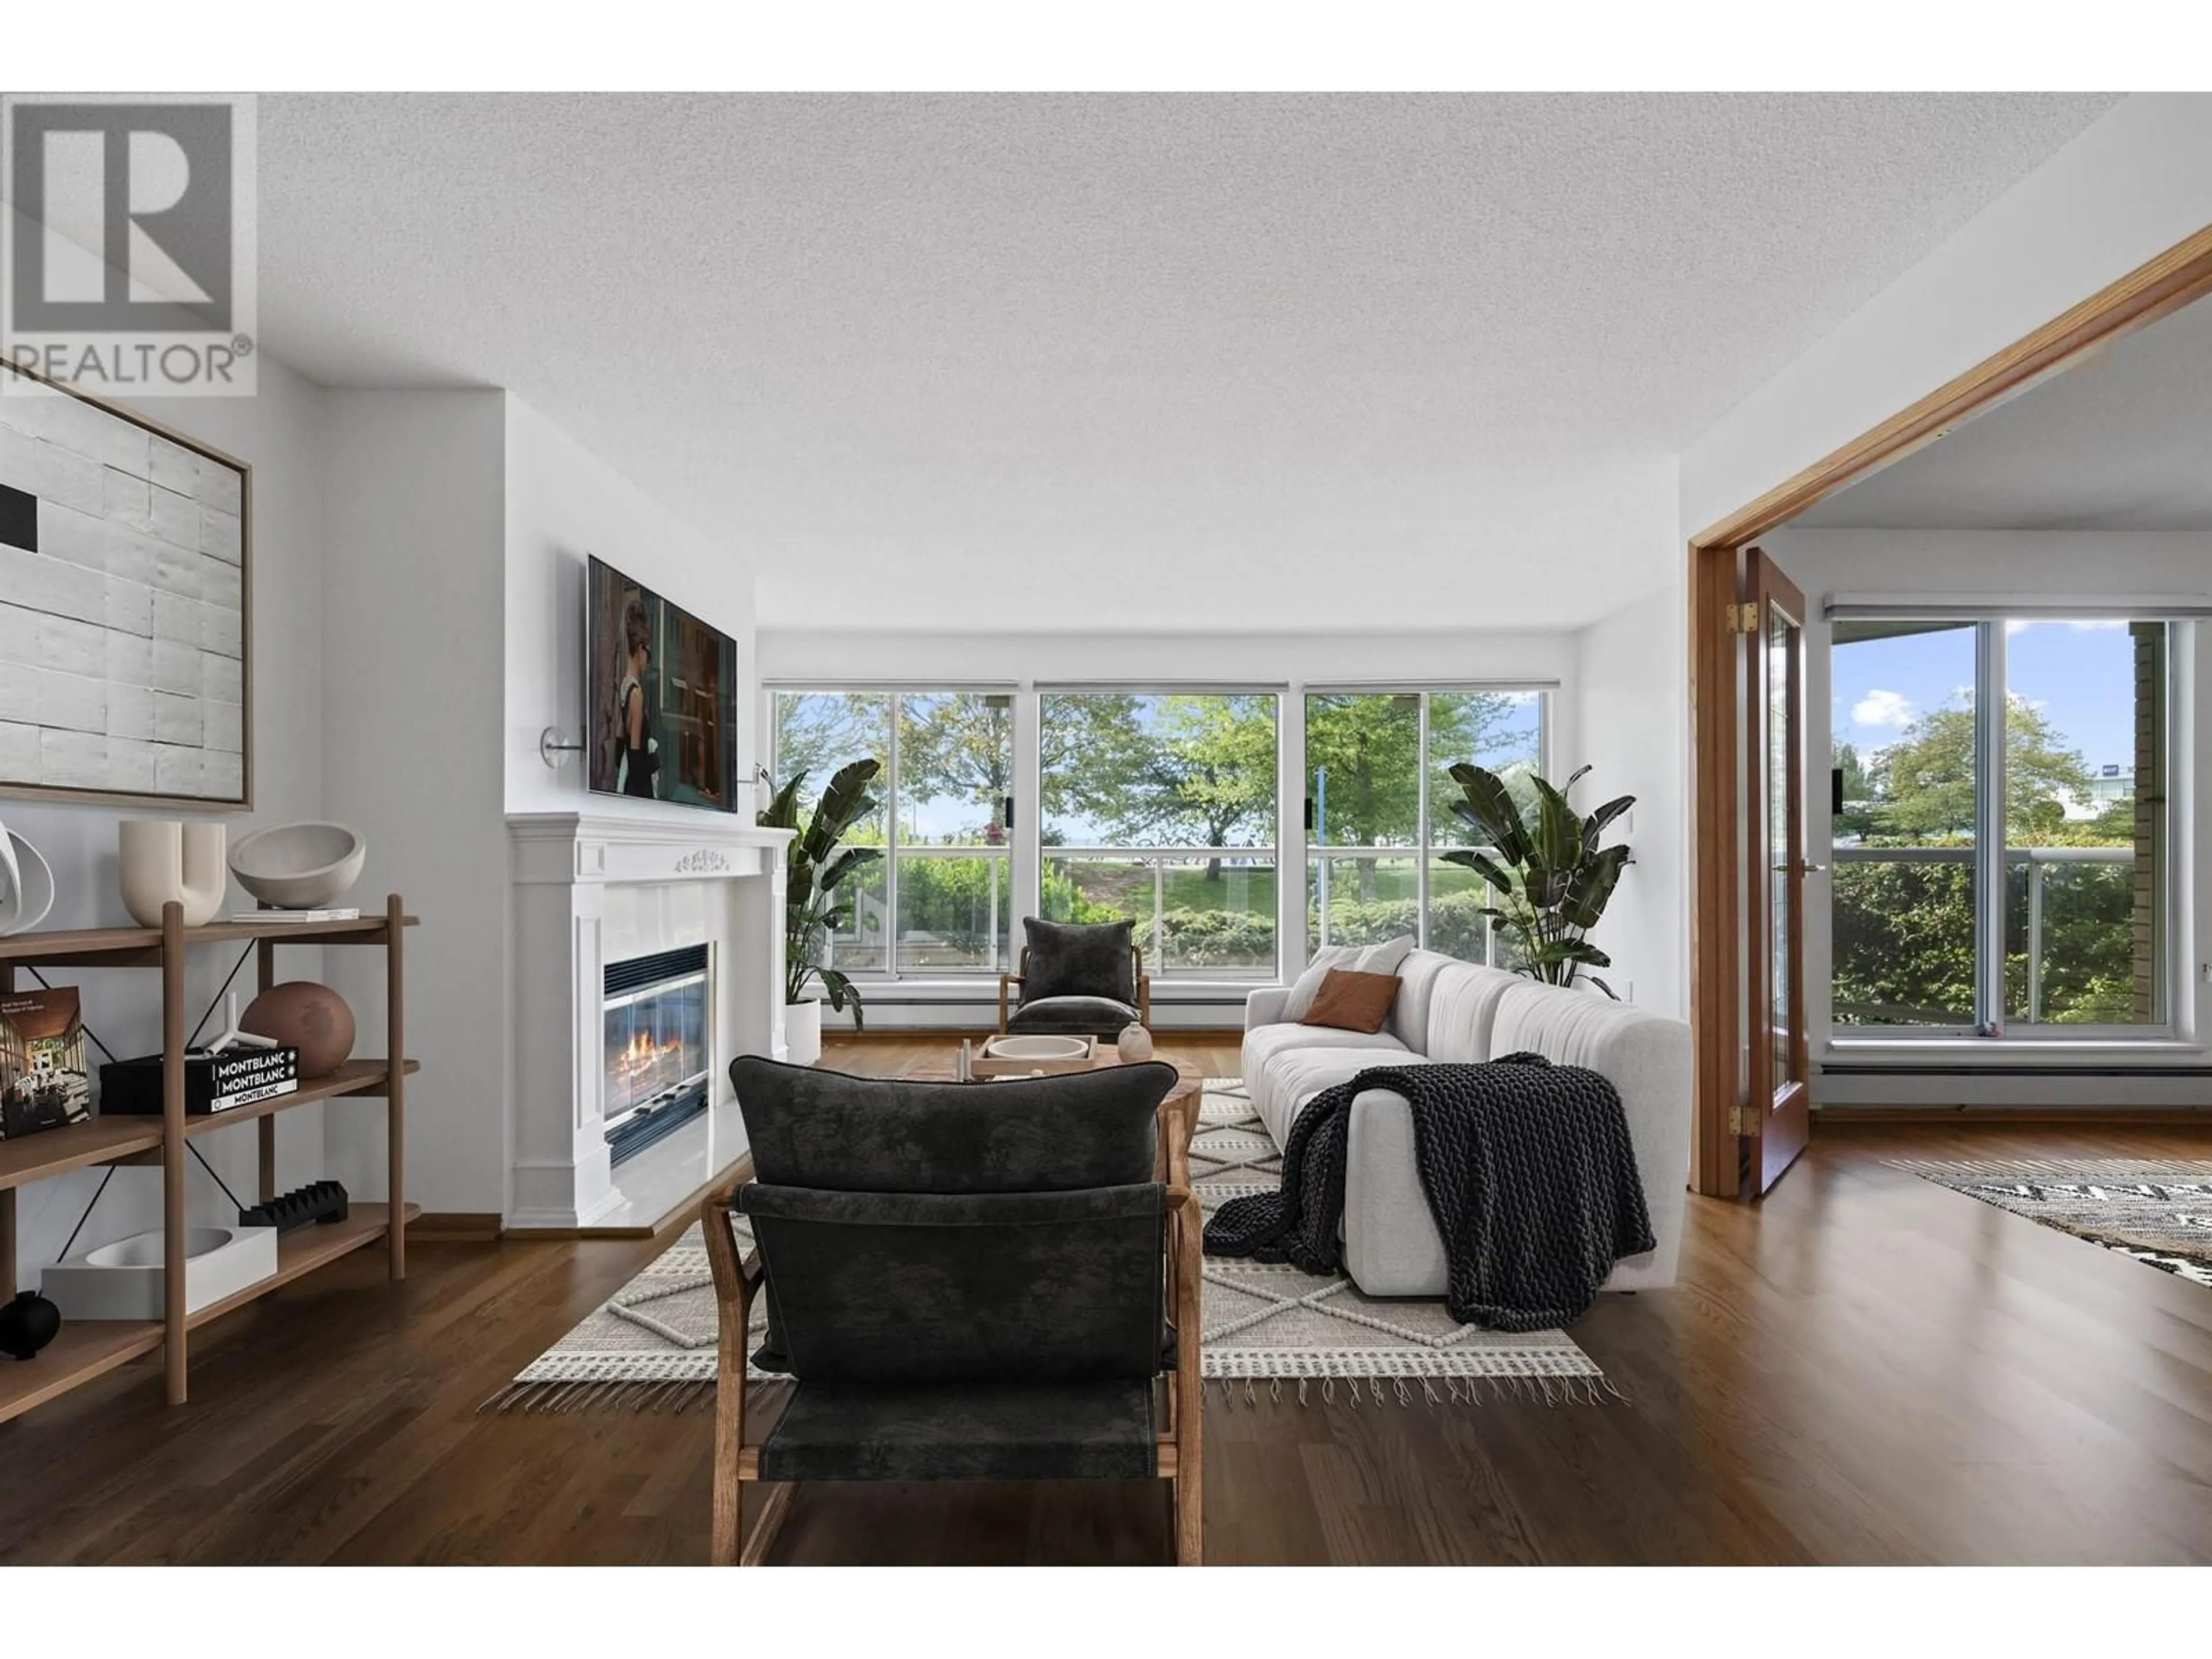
{"x": 213, "y": 1083}
{"x": 321, "y": 1201}
{"x": 27, "y": 1324}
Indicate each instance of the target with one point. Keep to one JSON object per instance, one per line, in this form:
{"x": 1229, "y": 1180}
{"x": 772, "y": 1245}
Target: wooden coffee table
{"x": 1178, "y": 1112}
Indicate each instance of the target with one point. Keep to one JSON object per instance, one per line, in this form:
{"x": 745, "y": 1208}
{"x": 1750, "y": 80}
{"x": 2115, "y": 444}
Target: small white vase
{"x": 163, "y": 859}
{"x": 802, "y": 1032}
{"x": 1135, "y": 1042}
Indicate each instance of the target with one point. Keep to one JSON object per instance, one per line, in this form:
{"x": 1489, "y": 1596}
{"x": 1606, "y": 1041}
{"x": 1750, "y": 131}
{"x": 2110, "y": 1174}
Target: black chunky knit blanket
{"x": 1528, "y": 1169}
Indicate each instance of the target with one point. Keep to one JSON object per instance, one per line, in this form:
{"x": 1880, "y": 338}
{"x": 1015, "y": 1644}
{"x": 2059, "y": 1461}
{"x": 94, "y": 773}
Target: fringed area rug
{"x": 2159, "y": 1213}
{"x": 1268, "y": 1325}
{"x": 1268, "y": 1329}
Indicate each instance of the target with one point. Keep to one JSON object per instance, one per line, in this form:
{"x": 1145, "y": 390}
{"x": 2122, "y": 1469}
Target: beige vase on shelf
{"x": 165, "y": 858}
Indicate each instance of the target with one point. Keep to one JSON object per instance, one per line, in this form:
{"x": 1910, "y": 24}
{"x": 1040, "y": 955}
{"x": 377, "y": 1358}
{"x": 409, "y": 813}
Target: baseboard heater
{"x": 1871, "y": 1069}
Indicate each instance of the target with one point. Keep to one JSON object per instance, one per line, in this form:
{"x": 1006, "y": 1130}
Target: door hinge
{"x": 1743, "y": 618}
{"x": 1737, "y": 1123}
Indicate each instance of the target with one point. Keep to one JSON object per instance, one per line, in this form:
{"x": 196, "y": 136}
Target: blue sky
{"x": 2081, "y": 673}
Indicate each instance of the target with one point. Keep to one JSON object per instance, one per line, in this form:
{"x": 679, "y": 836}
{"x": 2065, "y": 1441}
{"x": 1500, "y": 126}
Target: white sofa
{"x": 1451, "y": 1011}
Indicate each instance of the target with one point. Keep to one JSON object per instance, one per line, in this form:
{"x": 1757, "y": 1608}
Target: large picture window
{"x": 1161, "y": 807}
{"x": 2000, "y": 849}
{"x": 938, "y": 903}
{"x": 1378, "y": 794}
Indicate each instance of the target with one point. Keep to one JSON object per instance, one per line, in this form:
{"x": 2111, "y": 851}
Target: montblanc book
{"x": 213, "y": 1083}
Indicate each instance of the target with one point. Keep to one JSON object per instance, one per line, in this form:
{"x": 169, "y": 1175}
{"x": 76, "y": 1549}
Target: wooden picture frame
{"x": 126, "y": 625}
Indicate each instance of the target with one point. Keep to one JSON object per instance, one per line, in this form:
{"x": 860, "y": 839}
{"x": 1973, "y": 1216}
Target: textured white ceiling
{"x": 1237, "y": 361}
{"x": 2121, "y": 440}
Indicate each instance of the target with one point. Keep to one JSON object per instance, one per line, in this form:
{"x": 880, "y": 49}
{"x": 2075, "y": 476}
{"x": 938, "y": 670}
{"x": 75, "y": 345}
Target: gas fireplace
{"x": 659, "y": 1033}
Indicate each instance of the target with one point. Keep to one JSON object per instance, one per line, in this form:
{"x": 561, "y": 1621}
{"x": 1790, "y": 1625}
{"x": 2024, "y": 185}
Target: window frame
{"x": 1155, "y": 965}
{"x": 893, "y": 693}
{"x": 1291, "y": 849}
{"x": 1426, "y": 850}
{"x": 1993, "y": 848}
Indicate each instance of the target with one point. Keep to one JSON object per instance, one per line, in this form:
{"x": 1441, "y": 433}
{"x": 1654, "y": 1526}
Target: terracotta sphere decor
{"x": 311, "y": 1017}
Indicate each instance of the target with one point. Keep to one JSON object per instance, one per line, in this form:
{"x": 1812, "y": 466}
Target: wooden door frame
{"x": 1762, "y": 578}
{"x": 1718, "y": 972}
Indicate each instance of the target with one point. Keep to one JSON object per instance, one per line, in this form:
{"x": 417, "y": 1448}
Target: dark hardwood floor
{"x": 1865, "y": 1368}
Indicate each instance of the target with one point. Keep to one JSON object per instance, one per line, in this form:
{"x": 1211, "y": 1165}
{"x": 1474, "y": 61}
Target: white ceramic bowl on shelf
{"x": 123, "y": 1280}
{"x": 300, "y": 866}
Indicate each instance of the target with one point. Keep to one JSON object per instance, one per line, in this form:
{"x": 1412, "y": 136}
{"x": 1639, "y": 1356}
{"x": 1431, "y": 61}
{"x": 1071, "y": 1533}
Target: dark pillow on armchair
{"x": 1079, "y": 959}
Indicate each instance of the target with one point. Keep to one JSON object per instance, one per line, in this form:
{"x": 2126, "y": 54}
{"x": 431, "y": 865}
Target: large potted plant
{"x": 813, "y": 909}
{"x": 1543, "y": 860}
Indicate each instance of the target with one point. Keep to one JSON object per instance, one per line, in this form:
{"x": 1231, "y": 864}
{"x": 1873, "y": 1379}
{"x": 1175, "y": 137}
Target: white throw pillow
{"x": 1383, "y": 958}
{"x": 1386, "y": 957}
{"x": 1300, "y": 1002}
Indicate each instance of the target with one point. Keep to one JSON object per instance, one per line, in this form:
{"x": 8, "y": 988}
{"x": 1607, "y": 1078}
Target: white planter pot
{"x": 802, "y": 1032}
{"x": 123, "y": 1280}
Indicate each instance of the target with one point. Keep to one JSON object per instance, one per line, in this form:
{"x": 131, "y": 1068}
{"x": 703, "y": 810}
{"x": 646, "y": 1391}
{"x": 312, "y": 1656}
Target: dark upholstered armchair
{"x": 1076, "y": 979}
{"x": 967, "y": 1281}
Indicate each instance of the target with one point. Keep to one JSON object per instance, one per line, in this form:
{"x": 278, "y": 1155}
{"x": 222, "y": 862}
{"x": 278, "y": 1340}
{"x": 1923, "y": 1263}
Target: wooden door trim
{"x": 2181, "y": 274}
{"x": 1716, "y": 898}
{"x": 1765, "y": 587}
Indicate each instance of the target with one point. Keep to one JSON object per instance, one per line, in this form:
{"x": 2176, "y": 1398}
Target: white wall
{"x": 1170, "y": 659}
{"x": 276, "y": 433}
{"x": 1629, "y": 671}
{"x": 562, "y": 505}
{"x": 412, "y": 641}
{"x": 1984, "y": 567}
{"x": 2128, "y": 188}
{"x": 457, "y": 525}
{"x": 417, "y": 603}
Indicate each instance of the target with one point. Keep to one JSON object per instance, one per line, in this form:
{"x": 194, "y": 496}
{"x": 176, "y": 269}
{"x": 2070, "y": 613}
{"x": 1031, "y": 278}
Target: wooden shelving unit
{"x": 90, "y": 1348}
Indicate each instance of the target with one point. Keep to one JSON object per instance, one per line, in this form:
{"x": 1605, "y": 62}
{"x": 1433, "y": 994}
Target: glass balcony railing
{"x": 952, "y": 907}
{"x": 1364, "y": 895}
{"x": 1904, "y": 929}
{"x": 1201, "y": 912}
{"x": 2084, "y": 963}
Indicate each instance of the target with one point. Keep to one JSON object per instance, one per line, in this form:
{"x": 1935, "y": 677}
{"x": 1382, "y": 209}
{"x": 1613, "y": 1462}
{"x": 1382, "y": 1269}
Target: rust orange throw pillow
{"x": 1353, "y": 1001}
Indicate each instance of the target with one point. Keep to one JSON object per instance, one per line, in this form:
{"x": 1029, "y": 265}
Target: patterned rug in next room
{"x": 2158, "y": 1213}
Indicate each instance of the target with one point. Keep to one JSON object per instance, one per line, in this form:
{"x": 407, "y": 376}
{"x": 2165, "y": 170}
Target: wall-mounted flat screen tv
{"x": 661, "y": 719}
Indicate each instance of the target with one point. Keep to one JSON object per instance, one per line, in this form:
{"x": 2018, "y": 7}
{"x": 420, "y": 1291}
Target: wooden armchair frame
{"x": 1007, "y": 1002}
{"x": 737, "y": 1465}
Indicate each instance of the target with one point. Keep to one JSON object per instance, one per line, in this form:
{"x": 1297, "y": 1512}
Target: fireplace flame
{"x": 644, "y": 1066}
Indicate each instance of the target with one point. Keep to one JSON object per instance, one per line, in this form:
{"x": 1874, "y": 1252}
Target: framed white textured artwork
{"x": 125, "y": 606}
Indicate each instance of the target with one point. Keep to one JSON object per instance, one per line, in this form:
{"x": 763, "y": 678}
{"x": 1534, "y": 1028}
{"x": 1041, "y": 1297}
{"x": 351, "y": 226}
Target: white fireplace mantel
{"x": 568, "y": 872}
